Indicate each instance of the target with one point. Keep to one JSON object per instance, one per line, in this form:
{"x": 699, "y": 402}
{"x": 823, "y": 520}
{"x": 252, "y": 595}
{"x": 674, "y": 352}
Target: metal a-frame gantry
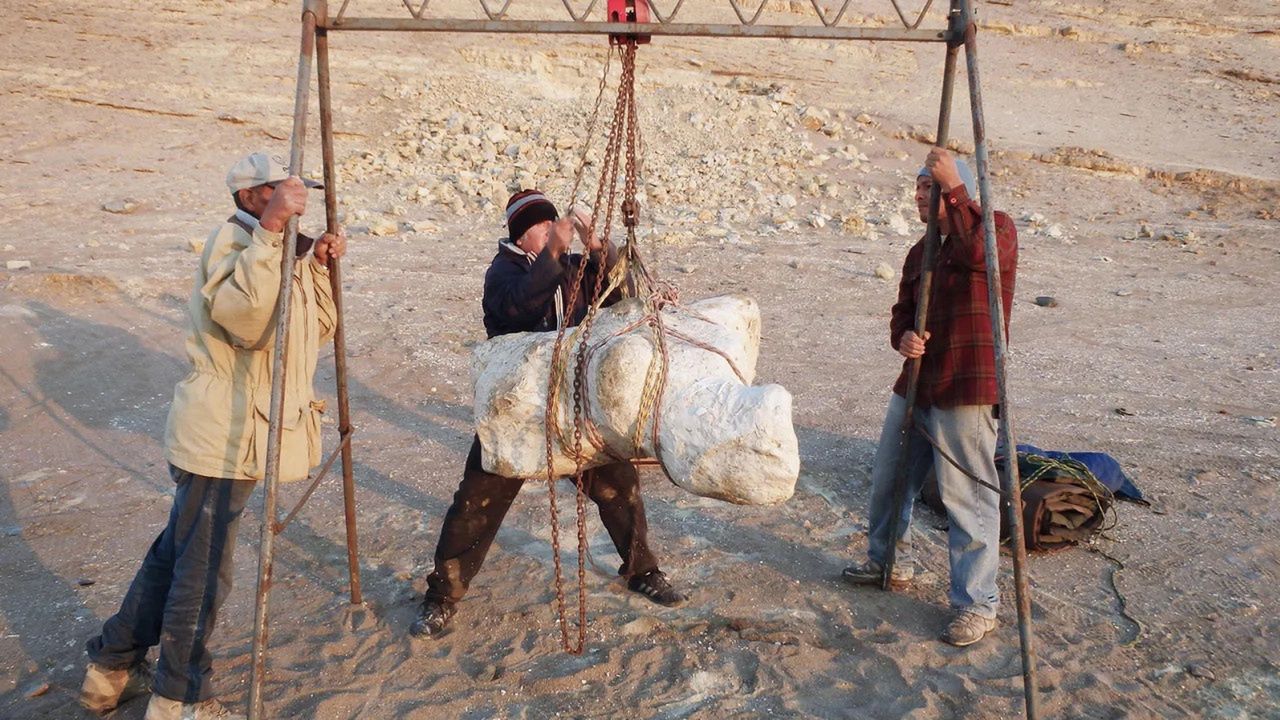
{"x": 627, "y": 20}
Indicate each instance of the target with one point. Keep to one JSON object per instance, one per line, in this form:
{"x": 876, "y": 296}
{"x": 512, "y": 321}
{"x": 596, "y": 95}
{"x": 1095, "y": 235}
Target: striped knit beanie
{"x": 526, "y": 209}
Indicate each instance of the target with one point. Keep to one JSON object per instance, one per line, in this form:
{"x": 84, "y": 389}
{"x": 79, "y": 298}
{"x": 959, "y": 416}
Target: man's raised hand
{"x": 288, "y": 198}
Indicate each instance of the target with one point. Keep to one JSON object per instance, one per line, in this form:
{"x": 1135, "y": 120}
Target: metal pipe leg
{"x": 339, "y": 336}
{"x": 928, "y": 262}
{"x": 287, "y": 260}
{"x": 1013, "y": 484}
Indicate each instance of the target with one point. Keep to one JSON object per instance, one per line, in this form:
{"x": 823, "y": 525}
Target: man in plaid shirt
{"x": 956, "y": 405}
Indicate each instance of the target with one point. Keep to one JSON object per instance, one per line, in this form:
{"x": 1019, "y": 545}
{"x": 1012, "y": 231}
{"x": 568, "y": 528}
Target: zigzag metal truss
{"x": 663, "y": 12}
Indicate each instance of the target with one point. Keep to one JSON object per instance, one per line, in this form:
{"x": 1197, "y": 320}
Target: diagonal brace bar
{"x": 324, "y": 470}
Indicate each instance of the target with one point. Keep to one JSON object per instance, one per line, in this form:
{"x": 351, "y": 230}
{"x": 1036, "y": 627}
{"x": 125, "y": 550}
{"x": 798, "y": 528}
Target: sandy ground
{"x": 1135, "y": 142}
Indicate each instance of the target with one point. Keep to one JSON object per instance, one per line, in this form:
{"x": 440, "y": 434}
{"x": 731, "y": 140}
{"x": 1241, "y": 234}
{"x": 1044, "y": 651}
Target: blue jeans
{"x": 174, "y": 599}
{"x": 968, "y": 434}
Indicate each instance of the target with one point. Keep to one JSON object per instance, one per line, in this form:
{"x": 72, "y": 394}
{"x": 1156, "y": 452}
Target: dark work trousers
{"x": 482, "y": 501}
{"x": 174, "y": 599}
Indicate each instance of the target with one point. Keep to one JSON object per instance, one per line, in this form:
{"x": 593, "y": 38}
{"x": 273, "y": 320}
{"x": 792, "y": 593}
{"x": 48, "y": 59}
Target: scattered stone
{"x": 686, "y": 269}
{"x": 17, "y": 265}
{"x": 1201, "y": 671}
{"x": 1125, "y": 412}
{"x": 1047, "y": 301}
{"x": 196, "y": 245}
{"x": 16, "y": 311}
{"x": 85, "y": 582}
{"x": 787, "y": 201}
{"x": 1123, "y": 293}
{"x": 884, "y": 272}
{"x": 794, "y": 263}
{"x": 1261, "y": 421}
{"x": 641, "y": 626}
{"x": 899, "y": 225}
{"x": 864, "y": 119}
{"x": 1146, "y": 231}
{"x": 383, "y": 227}
{"x": 9, "y": 248}
{"x": 36, "y": 690}
{"x": 1055, "y": 231}
{"x": 125, "y": 206}
{"x": 1204, "y": 477}
{"x": 1103, "y": 258}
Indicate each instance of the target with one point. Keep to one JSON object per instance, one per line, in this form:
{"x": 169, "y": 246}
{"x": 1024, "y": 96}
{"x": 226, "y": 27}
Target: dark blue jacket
{"x": 520, "y": 291}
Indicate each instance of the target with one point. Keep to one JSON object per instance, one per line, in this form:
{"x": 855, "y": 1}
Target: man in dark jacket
{"x": 956, "y": 403}
{"x": 525, "y": 290}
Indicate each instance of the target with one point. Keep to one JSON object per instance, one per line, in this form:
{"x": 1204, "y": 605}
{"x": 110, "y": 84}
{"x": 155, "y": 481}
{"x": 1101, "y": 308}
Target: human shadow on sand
{"x": 104, "y": 378}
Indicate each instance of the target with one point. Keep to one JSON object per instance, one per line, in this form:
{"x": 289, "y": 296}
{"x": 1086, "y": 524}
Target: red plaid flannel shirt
{"x": 958, "y": 367}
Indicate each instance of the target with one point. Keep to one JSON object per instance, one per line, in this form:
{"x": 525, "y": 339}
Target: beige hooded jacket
{"x": 218, "y": 421}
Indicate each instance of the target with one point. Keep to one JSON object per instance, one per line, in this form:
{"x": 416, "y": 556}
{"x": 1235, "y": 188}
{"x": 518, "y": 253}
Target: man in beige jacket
{"x": 216, "y": 443}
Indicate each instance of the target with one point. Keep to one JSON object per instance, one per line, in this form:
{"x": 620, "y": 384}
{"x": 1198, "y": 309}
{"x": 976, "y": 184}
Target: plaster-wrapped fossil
{"x": 718, "y": 436}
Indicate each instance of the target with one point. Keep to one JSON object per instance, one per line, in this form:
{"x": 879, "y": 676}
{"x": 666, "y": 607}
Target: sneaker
{"x": 162, "y": 708}
{"x": 655, "y": 586}
{"x": 432, "y": 618}
{"x": 104, "y": 690}
{"x": 967, "y": 628}
{"x": 871, "y": 573}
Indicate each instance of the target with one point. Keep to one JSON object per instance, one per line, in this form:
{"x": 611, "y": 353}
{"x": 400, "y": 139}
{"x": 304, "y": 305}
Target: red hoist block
{"x": 628, "y": 11}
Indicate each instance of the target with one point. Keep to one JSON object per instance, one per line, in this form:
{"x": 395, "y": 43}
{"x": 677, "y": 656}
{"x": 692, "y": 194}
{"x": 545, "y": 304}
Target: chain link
{"x": 623, "y": 122}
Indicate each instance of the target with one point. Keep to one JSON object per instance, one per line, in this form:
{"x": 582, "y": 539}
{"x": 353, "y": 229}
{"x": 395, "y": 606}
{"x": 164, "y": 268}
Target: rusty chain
{"x": 591, "y": 129}
{"x": 623, "y": 117}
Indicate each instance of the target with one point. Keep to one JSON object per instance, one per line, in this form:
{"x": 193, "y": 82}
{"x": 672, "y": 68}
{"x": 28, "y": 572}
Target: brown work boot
{"x": 162, "y": 708}
{"x": 104, "y": 690}
{"x": 967, "y": 628}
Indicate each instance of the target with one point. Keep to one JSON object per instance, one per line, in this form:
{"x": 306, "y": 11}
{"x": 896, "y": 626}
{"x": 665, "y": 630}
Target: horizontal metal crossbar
{"x": 568, "y": 27}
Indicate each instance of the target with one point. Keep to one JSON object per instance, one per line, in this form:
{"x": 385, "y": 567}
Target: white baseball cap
{"x": 260, "y": 169}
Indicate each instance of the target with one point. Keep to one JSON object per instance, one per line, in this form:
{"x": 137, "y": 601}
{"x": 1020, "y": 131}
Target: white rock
{"x": 899, "y": 225}
{"x": 17, "y": 265}
{"x": 383, "y": 227}
{"x": 16, "y": 311}
{"x": 718, "y": 436}
{"x": 495, "y": 134}
{"x": 884, "y": 272}
{"x": 787, "y": 201}
{"x": 121, "y": 207}
{"x": 1055, "y": 231}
